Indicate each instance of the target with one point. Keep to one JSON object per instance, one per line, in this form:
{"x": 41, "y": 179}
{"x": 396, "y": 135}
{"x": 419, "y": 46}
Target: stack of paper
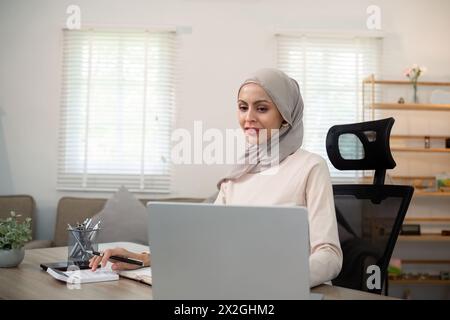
{"x": 143, "y": 275}
{"x": 84, "y": 276}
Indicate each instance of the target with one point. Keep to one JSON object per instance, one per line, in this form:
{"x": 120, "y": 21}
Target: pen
{"x": 117, "y": 258}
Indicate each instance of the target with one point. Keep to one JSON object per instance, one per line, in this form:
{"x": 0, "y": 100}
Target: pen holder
{"x": 78, "y": 238}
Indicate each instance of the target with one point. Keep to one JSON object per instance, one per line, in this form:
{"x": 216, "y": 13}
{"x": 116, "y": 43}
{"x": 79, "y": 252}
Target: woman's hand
{"x": 116, "y": 265}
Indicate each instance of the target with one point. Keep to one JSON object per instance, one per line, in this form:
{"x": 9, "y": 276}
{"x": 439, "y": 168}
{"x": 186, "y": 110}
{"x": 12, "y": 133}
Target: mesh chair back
{"x": 369, "y": 221}
{"x": 369, "y": 215}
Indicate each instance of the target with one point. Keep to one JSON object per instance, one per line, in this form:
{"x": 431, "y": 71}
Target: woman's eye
{"x": 243, "y": 108}
{"x": 262, "y": 109}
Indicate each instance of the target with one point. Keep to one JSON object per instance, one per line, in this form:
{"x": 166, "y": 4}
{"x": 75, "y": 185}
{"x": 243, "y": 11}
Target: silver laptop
{"x": 209, "y": 252}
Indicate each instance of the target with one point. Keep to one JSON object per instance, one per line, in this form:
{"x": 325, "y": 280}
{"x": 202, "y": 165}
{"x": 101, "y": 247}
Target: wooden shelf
{"x": 409, "y": 180}
{"x": 427, "y": 219}
{"x": 416, "y": 137}
{"x": 409, "y": 177}
{"x": 370, "y": 80}
{"x": 418, "y": 281}
{"x": 411, "y": 106}
{"x": 405, "y": 149}
{"x": 414, "y": 143}
{"x": 424, "y": 238}
{"x": 406, "y": 261}
{"x": 431, "y": 194}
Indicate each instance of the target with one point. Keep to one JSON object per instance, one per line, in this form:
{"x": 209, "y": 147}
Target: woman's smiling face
{"x": 257, "y": 112}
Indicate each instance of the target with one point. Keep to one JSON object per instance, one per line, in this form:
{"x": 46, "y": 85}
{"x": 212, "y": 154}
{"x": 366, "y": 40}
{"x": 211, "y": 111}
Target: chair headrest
{"x": 365, "y": 145}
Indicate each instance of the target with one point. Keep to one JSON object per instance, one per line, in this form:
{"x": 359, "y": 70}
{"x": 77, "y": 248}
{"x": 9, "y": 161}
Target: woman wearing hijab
{"x": 271, "y": 101}
{"x": 270, "y": 112}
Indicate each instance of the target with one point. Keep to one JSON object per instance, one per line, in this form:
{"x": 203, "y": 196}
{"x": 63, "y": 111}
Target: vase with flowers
{"x": 413, "y": 73}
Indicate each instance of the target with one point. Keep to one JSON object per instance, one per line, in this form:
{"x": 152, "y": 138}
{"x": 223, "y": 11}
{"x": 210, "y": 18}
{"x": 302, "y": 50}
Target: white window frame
{"x": 298, "y": 54}
{"x": 133, "y": 149}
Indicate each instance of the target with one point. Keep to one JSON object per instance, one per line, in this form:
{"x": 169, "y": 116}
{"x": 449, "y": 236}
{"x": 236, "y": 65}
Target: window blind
{"x": 330, "y": 70}
{"x": 117, "y": 108}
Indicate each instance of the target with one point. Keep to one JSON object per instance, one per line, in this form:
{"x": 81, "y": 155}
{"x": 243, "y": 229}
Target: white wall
{"x": 228, "y": 40}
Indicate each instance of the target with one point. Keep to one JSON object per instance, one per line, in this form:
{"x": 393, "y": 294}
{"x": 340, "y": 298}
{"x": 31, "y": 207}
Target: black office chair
{"x": 369, "y": 216}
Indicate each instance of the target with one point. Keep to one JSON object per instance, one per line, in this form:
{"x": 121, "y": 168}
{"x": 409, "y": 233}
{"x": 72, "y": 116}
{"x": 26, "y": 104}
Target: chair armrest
{"x": 36, "y": 244}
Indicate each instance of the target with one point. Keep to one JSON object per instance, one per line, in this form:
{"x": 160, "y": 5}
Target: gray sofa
{"x": 72, "y": 209}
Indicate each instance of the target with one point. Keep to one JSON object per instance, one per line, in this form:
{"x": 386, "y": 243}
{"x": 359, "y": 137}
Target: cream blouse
{"x": 301, "y": 179}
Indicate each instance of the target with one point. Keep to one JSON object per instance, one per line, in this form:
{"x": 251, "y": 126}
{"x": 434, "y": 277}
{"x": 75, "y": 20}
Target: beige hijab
{"x": 285, "y": 93}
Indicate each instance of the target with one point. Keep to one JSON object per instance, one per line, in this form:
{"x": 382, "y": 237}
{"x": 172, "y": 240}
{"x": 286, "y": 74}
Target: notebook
{"x": 143, "y": 275}
{"x": 84, "y": 276}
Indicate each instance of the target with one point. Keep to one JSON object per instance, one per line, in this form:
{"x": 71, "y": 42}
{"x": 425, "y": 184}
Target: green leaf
{"x": 14, "y": 234}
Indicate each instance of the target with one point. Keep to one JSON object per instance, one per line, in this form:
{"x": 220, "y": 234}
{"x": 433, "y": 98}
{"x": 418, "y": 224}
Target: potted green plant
{"x": 13, "y": 236}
